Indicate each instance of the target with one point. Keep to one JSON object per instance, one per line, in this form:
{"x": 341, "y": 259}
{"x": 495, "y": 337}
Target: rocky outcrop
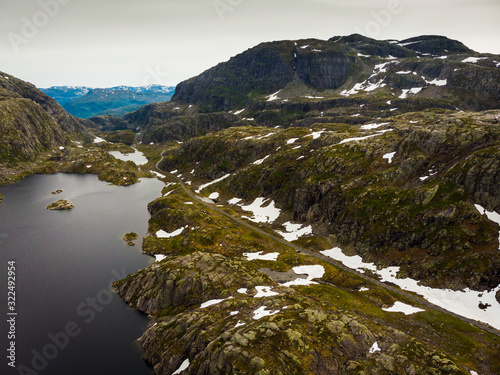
{"x": 12, "y": 87}
{"x": 26, "y": 130}
{"x": 130, "y": 237}
{"x": 302, "y": 340}
{"x": 31, "y": 122}
{"x": 369, "y": 46}
{"x": 435, "y": 45}
{"x": 61, "y": 205}
{"x": 215, "y": 312}
{"x": 186, "y": 281}
{"x": 322, "y": 67}
{"x": 265, "y": 69}
{"x": 182, "y": 128}
{"x": 107, "y": 123}
{"x": 420, "y": 203}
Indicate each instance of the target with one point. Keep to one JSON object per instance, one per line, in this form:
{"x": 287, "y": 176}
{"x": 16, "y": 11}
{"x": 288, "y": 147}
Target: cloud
{"x": 118, "y": 40}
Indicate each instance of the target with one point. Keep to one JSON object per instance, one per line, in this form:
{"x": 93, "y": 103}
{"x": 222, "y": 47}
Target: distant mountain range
{"x": 85, "y": 102}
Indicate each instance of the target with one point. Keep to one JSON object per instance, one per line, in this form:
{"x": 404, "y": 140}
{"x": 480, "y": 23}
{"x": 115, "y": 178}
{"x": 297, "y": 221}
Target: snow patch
{"x": 261, "y": 214}
{"x": 211, "y": 303}
{"x": 374, "y": 348}
{"x": 162, "y": 234}
{"x": 465, "y": 302}
{"x": 294, "y": 231}
{"x": 493, "y": 216}
{"x": 274, "y": 96}
{"x": 373, "y": 126}
{"x": 183, "y": 366}
{"x": 404, "y": 308}
{"x": 200, "y": 188}
{"x": 413, "y": 91}
{"x": 264, "y": 291}
{"x": 214, "y": 195}
{"x": 262, "y": 312}
{"x": 291, "y": 140}
{"x": 389, "y": 157}
{"x": 312, "y": 272}
{"x": 438, "y": 82}
{"x": 158, "y": 174}
{"x": 473, "y": 59}
{"x": 159, "y": 257}
{"x": 240, "y": 111}
{"x": 260, "y": 256}
{"x": 316, "y": 135}
{"x": 357, "y": 138}
{"x": 265, "y": 136}
{"x": 260, "y": 161}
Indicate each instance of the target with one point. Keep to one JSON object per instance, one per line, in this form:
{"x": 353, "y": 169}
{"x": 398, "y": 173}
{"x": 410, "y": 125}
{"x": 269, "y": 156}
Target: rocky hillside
{"x": 351, "y": 79}
{"x": 427, "y": 67}
{"x": 399, "y": 192}
{"x": 88, "y": 102}
{"x": 386, "y": 152}
{"x": 224, "y": 299}
{"x": 31, "y": 122}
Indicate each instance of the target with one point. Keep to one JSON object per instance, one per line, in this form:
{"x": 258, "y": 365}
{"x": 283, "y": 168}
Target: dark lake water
{"x": 68, "y": 319}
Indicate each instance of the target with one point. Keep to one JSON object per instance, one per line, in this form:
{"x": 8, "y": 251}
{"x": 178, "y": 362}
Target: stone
{"x": 61, "y": 205}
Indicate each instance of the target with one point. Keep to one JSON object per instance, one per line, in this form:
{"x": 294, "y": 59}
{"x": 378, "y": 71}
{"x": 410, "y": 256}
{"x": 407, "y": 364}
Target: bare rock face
{"x": 60, "y": 205}
{"x": 31, "y": 122}
{"x": 268, "y": 67}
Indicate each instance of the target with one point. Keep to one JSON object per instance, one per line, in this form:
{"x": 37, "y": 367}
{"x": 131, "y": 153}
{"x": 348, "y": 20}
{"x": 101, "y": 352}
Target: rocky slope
{"x": 387, "y": 149}
{"x": 220, "y": 312}
{"x": 415, "y": 211}
{"x": 350, "y": 79}
{"x": 440, "y": 67}
{"x": 31, "y": 122}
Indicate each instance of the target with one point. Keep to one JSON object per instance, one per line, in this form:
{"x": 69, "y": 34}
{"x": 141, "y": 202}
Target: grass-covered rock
{"x": 326, "y": 328}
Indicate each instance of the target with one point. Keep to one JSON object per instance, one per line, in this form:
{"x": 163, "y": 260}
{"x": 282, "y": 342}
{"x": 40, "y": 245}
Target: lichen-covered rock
{"x": 188, "y": 280}
{"x": 61, "y": 205}
{"x": 420, "y": 203}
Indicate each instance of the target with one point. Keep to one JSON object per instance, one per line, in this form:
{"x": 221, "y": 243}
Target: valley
{"x": 329, "y": 206}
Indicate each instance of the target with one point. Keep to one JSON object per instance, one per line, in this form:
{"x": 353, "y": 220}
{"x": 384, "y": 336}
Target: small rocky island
{"x": 129, "y": 238}
{"x": 61, "y": 205}
{"x": 58, "y": 191}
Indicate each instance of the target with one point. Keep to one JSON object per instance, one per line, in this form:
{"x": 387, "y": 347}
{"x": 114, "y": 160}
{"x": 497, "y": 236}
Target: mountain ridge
{"x": 276, "y": 65}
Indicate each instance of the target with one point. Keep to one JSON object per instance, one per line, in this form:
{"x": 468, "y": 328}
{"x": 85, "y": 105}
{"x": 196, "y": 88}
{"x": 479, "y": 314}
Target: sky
{"x": 105, "y": 43}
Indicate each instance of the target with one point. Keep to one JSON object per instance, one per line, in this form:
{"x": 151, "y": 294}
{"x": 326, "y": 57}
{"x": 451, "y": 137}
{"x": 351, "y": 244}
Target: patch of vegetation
{"x": 130, "y": 237}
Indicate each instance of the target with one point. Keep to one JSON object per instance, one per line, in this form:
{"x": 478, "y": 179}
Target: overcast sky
{"x": 104, "y": 43}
